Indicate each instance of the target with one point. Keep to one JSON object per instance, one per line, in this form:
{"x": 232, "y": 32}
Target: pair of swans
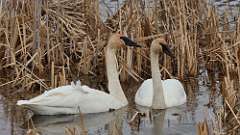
{"x": 76, "y": 98}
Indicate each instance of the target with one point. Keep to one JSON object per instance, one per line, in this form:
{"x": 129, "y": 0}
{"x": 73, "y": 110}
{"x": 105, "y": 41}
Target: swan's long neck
{"x": 114, "y": 85}
{"x": 158, "y": 95}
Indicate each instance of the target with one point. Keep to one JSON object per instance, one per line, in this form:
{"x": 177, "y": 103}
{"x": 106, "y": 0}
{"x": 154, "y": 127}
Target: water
{"x": 7, "y": 124}
{"x": 173, "y": 121}
{"x": 181, "y": 120}
{"x": 109, "y": 8}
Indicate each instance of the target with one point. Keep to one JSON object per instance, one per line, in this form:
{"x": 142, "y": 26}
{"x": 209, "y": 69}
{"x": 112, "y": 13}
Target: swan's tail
{"x": 22, "y": 102}
{"x": 27, "y": 104}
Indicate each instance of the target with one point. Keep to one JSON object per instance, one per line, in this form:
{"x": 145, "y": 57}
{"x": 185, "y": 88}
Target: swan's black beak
{"x": 167, "y": 50}
{"x": 129, "y": 42}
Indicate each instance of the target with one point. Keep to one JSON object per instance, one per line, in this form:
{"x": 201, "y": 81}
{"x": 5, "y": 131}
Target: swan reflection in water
{"x": 169, "y": 121}
{"x": 84, "y": 123}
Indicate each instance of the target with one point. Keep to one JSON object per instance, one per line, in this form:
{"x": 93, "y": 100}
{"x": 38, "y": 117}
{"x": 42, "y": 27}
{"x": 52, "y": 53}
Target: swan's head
{"x": 160, "y": 45}
{"x": 118, "y": 40}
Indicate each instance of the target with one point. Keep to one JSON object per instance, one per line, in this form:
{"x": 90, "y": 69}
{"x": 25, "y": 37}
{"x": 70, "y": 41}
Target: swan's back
{"x": 144, "y": 94}
{"x": 173, "y": 90}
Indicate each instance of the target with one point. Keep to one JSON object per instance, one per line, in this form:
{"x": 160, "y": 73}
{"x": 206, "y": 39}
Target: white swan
{"x": 74, "y": 98}
{"x": 157, "y": 93}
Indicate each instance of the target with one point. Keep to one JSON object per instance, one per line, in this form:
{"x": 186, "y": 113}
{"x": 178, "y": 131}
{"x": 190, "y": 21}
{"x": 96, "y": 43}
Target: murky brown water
{"x": 179, "y": 120}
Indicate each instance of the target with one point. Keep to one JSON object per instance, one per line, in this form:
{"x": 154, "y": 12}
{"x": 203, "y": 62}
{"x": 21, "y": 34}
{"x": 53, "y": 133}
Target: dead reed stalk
{"x": 52, "y": 43}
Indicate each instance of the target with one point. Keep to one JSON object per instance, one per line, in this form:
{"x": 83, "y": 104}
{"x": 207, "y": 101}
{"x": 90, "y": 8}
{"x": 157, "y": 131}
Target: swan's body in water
{"x": 75, "y": 98}
{"x": 157, "y": 93}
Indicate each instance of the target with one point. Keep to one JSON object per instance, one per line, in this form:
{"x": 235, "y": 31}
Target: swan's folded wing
{"x": 60, "y": 96}
{"x": 144, "y": 94}
{"x": 175, "y": 93}
{"x": 98, "y": 101}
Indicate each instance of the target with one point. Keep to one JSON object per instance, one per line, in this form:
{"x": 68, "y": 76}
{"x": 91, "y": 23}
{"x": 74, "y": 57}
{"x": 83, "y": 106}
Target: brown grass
{"x": 46, "y": 46}
{"x": 52, "y": 45}
{"x": 202, "y": 128}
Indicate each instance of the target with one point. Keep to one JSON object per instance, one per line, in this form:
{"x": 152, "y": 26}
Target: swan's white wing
{"x": 144, "y": 94}
{"x": 57, "y": 96}
{"x": 98, "y": 101}
{"x": 174, "y": 92}
{"x": 69, "y": 100}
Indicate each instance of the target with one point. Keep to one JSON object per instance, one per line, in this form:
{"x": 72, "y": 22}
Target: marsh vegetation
{"x": 47, "y": 43}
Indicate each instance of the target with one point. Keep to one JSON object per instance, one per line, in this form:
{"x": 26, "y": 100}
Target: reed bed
{"x": 48, "y": 43}
{"x": 222, "y": 59}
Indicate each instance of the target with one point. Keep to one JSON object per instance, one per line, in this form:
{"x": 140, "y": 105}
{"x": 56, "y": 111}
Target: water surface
{"x": 181, "y": 120}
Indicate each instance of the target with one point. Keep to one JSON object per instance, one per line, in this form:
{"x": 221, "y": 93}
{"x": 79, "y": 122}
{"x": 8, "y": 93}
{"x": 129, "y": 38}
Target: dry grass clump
{"x": 55, "y": 42}
{"x": 179, "y": 21}
{"x": 182, "y": 20}
{"x": 47, "y": 43}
